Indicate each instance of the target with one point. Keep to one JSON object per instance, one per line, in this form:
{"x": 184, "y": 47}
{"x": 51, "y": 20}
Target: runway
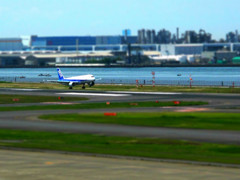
{"x": 218, "y": 102}
{"x": 26, "y": 165}
{"x": 28, "y": 120}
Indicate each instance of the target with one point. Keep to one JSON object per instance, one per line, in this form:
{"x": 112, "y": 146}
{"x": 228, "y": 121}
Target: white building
{"x": 181, "y": 49}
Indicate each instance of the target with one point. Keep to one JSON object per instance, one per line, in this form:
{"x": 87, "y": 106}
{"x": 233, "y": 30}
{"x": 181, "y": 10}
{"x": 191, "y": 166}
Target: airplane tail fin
{"x": 60, "y": 75}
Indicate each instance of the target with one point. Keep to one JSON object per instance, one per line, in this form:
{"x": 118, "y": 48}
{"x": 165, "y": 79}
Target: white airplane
{"x": 77, "y": 80}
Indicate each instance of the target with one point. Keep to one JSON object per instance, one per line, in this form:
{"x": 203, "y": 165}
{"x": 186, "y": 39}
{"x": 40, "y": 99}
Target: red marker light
{"x": 176, "y": 102}
{"x": 110, "y": 114}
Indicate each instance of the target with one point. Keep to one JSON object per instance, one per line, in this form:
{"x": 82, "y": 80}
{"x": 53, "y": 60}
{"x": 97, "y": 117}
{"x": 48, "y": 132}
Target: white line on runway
{"x": 148, "y": 93}
{"x": 24, "y": 89}
{"x": 94, "y": 94}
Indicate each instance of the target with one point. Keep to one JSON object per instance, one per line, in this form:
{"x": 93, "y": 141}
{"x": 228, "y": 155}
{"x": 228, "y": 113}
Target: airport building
{"x": 222, "y": 46}
{"x": 78, "y": 49}
{"x": 80, "y": 40}
{"x": 62, "y": 41}
{"x": 81, "y": 43}
{"x": 11, "y": 44}
{"x": 180, "y": 49}
{"x": 120, "y": 43}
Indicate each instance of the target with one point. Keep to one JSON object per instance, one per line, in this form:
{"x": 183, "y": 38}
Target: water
{"x": 216, "y": 76}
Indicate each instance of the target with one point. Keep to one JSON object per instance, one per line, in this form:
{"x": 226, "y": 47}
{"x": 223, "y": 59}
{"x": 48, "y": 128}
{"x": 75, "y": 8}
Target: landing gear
{"x": 83, "y": 87}
{"x": 70, "y": 85}
{"x": 91, "y": 84}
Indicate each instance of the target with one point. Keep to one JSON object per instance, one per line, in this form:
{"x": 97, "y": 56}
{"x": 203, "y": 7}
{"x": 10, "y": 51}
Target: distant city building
{"x": 204, "y": 37}
{"x": 232, "y": 37}
{"x": 11, "y": 44}
{"x": 146, "y": 36}
{"x": 126, "y": 34}
{"x": 150, "y": 38}
{"x": 190, "y": 37}
{"x": 174, "y": 39}
{"x": 237, "y": 37}
{"x": 163, "y": 37}
{"x": 142, "y": 36}
{"x": 177, "y": 34}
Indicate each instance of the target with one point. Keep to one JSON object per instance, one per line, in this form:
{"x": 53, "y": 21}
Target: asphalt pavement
{"x": 28, "y": 120}
{"x": 52, "y": 165}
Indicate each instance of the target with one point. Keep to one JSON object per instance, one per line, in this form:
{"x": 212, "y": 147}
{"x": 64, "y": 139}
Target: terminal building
{"x": 181, "y": 49}
{"x": 77, "y": 49}
{"x": 84, "y": 43}
{"x": 120, "y": 43}
{"x": 11, "y": 44}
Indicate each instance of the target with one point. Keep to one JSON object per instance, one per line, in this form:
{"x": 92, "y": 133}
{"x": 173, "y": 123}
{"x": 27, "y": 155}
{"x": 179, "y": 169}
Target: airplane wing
{"x": 57, "y": 81}
{"x": 62, "y": 82}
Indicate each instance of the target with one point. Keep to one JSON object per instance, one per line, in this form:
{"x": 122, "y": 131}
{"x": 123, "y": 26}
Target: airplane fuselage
{"x": 80, "y": 79}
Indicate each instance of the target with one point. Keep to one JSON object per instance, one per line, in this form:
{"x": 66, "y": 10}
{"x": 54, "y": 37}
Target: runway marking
{"x": 149, "y": 93}
{"x": 49, "y": 163}
{"x": 24, "y": 89}
{"x": 192, "y": 109}
{"x": 94, "y": 94}
{"x": 61, "y": 103}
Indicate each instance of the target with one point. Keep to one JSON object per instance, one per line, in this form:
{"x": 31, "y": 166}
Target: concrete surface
{"x": 15, "y": 165}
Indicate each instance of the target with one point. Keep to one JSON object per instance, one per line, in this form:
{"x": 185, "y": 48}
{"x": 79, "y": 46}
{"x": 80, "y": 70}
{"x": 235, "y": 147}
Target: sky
{"x": 110, "y": 17}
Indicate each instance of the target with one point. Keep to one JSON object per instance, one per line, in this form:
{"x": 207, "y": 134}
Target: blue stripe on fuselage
{"x": 72, "y": 80}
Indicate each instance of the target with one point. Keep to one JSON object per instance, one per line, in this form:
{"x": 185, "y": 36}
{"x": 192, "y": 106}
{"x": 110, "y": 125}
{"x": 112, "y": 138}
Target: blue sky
{"x": 110, "y": 17}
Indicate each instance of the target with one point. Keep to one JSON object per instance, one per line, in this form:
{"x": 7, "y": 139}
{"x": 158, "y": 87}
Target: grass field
{"x": 215, "y": 121}
{"x": 126, "y": 146}
{"x": 12, "y": 99}
{"x": 101, "y": 105}
{"x": 125, "y": 88}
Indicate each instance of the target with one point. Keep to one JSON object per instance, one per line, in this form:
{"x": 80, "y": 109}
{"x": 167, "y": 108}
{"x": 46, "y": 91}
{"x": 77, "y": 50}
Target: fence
{"x": 174, "y": 82}
{"x": 133, "y": 81}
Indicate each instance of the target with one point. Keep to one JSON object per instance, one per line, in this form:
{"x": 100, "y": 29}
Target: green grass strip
{"x": 101, "y": 105}
{"x": 196, "y": 89}
{"x": 126, "y": 146}
{"x": 13, "y": 99}
{"x": 214, "y": 121}
{"x": 99, "y": 87}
